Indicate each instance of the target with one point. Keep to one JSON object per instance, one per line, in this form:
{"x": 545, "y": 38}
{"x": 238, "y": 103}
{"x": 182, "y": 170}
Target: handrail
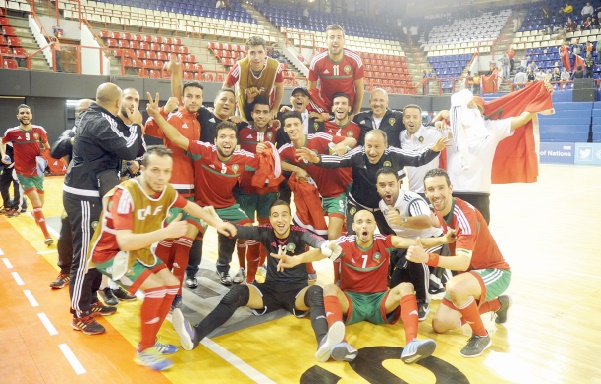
{"x": 96, "y": 36}
{"x": 38, "y": 22}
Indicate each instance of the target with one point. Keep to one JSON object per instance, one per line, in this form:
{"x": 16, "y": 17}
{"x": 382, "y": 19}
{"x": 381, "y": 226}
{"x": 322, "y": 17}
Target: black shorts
{"x": 274, "y": 299}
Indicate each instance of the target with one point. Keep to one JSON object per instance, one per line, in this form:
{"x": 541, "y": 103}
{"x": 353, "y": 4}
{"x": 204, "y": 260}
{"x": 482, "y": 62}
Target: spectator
{"x": 530, "y": 75}
{"x": 577, "y": 48}
{"x": 578, "y": 73}
{"x": 594, "y": 22}
{"x": 556, "y": 76}
{"x": 219, "y": 4}
{"x": 586, "y": 24}
{"x": 523, "y": 62}
{"x": 588, "y": 65}
{"x": 570, "y": 25}
{"x": 228, "y": 5}
{"x": 587, "y": 11}
{"x": 306, "y": 16}
{"x": 567, "y": 10}
{"x": 533, "y": 66}
{"x": 565, "y": 77}
{"x": 511, "y": 54}
{"x": 505, "y": 66}
{"x": 520, "y": 79}
{"x": 57, "y": 50}
{"x": 540, "y": 75}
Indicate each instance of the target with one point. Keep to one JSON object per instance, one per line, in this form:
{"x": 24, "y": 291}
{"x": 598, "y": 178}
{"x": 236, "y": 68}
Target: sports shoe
{"x": 334, "y": 337}
{"x": 191, "y": 281}
{"x": 417, "y": 350}
{"x": 224, "y": 278}
{"x": 262, "y": 270}
{"x": 177, "y": 303}
{"x": 109, "y": 297}
{"x": 475, "y": 346}
{"x": 240, "y": 277}
{"x": 153, "y": 359}
{"x": 344, "y": 352}
{"x": 62, "y": 280}
{"x": 311, "y": 278}
{"x": 423, "y": 310}
{"x": 87, "y": 325}
{"x": 12, "y": 213}
{"x": 185, "y": 330}
{"x": 165, "y": 349}
{"x": 4, "y": 210}
{"x": 99, "y": 309}
{"x": 48, "y": 241}
{"x": 502, "y": 312}
{"x": 123, "y": 295}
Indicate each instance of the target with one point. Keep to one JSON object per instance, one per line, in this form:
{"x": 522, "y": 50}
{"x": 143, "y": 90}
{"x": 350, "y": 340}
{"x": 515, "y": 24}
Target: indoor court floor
{"x": 547, "y": 231}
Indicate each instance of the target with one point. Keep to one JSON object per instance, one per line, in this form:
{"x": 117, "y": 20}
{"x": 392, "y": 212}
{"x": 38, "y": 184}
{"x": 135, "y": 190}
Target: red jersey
{"x": 472, "y": 235}
{"x": 186, "y": 123}
{"x": 329, "y": 181}
{"x": 26, "y": 146}
{"x": 120, "y": 216}
{"x": 349, "y": 130}
{"x": 336, "y": 76}
{"x": 365, "y": 270}
{"x": 249, "y": 138}
{"x": 215, "y": 179}
{"x": 234, "y": 76}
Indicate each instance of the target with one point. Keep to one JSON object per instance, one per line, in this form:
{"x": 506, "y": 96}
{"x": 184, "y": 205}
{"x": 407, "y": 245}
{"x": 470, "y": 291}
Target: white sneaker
{"x": 240, "y": 277}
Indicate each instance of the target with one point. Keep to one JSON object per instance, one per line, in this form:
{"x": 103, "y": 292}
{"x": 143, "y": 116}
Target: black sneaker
{"x": 423, "y": 310}
{"x": 502, "y": 312}
{"x": 99, "y": 309}
{"x": 62, "y": 280}
{"x": 224, "y": 278}
{"x": 191, "y": 281}
{"x": 108, "y": 297}
{"x": 123, "y": 295}
{"x": 87, "y": 325}
{"x": 475, "y": 346}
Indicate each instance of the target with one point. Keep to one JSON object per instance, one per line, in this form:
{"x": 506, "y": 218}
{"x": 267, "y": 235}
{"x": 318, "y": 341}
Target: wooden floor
{"x": 547, "y": 231}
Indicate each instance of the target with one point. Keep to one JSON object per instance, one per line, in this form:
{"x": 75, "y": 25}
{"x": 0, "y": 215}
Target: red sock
{"x": 409, "y": 316}
{"x": 252, "y": 259}
{"x": 241, "y": 247}
{"x": 332, "y": 305}
{"x": 38, "y": 215}
{"x": 470, "y": 313}
{"x": 163, "y": 252}
{"x": 336, "y": 271}
{"x": 149, "y": 316}
{"x": 166, "y": 305}
{"x": 262, "y": 255}
{"x": 490, "y": 306}
{"x": 181, "y": 249}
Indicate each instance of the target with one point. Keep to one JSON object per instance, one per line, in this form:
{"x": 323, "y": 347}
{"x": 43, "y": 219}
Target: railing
{"x": 290, "y": 36}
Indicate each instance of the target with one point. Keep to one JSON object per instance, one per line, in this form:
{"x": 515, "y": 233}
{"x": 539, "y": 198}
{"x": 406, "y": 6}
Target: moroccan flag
{"x": 489, "y": 83}
{"x": 578, "y": 61}
{"x": 565, "y": 58}
{"x": 317, "y": 103}
{"x": 516, "y": 158}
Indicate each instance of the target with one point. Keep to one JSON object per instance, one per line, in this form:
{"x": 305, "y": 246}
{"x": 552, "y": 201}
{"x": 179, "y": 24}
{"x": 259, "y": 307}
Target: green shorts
{"x": 335, "y": 206}
{"x": 30, "y": 182}
{"x": 136, "y": 275}
{"x": 369, "y": 307}
{"x": 195, "y": 221}
{"x": 493, "y": 283}
{"x": 251, "y": 203}
{"x": 233, "y": 214}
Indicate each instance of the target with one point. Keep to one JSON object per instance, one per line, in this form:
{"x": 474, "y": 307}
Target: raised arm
{"x": 459, "y": 262}
{"x": 172, "y": 134}
{"x": 226, "y": 229}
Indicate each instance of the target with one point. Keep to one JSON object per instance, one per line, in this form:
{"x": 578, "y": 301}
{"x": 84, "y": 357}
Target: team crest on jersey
{"x": 269, "y": 135}
{"x": 235, "y": 167}
{"x": 94, "y": 224}
{"x": 316, "y": 126}
{"x": 347, "y": 69}
{"x": 353, "y": 210}
{"x": 291, "y": 247}
{"x": 377, "y": 257}
{"x": 392, "y": 121}
{"x": 387, "y": 164}
{"x": 349, "y": 134}
{"x": 36, "y": 135}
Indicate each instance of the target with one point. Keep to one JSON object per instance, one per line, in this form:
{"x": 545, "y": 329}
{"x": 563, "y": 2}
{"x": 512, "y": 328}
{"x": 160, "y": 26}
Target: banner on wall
{"x": 587, "y": 154}
{"x": 556, "y": 153}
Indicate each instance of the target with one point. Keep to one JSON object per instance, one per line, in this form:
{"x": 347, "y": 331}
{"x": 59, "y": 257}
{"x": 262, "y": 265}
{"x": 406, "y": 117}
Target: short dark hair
{"x": 194, "y": 84}
{"x": 386, "y": 171}
{"x": 23, "y": 106}
{"x": 254, "y": 41}
{"x": 279, "y": 202}
{"x": 438, "y": 172}
{"x": 292, "y": 115}
{"x": 341, "y": 94}
{"x": 230, "y": 90}
{"x": 158, "y": 150}
{"x": 381, "y": 132}
{"x": 225, "y": 125}
{"x": 261, "y": 100}
{"x": 413, "y": 106}
{"x": 334, "y": 27}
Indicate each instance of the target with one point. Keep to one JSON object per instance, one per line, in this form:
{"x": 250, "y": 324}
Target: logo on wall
{"x": 585, "y": 153}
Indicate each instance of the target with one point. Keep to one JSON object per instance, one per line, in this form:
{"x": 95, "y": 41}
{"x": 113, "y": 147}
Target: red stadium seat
{"x": 165, "y": 47}
{"x": 177, "y": 41}
{"x": 192, "y": 58}
{"x": 145, "y": 46}
{"x": 188, "y": 76}
{"x": 155, "y": 47}
{"x": 162, "y": 56}
{"x": 5, "y": 50}
{"x": 127, "y": 62}
{"x": 154, "y": 74}
{"x": 112, "y": 43}
{"x": 126, "y": 35}
{"x": 136, "y": 37}
{"x": 168, "y": 40}
{"x": 183, "y": 49}
{"x": 143, "y": 73}
{"x": 134, "y": 44}
{"x": 219, "y": 78}
{"x": 219, "y": 45}
{"x": 123, "y": 44}
{"x": 115, "y": 35}
{"x": 207, "y": 77}
{"x": 157, "y": 39}
{"x": 147, "y": 38}
{"x": 140, "y": 54}
{"x": 104, "y": 34}
{"x": 11, "y": 64}
{"x": 4, "y": 21}
{"x": 1, "y": 12}
{"x": 3, "y": 40}
{"x": 9, "y": 31}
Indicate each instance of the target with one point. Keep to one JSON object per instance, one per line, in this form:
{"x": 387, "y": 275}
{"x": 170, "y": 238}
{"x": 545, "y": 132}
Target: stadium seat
{"x": 11, "y": 64}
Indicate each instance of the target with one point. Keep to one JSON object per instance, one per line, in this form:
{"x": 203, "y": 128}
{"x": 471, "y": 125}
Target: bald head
{"x": 108, "y": 96}
{"x": 83, "y": 105}
{"x": 378, "y": 102}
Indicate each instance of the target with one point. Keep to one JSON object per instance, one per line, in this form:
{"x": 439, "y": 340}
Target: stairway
{"x": 21, "y": 26}
{"x": 416, "y": 63}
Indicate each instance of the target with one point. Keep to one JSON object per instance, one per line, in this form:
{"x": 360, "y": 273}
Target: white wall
{"x": 40, "y": 39}
{"x": 90, "y": 58}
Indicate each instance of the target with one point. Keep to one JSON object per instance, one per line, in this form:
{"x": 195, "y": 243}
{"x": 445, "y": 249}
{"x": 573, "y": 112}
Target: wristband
{"x": 433, "y": 259}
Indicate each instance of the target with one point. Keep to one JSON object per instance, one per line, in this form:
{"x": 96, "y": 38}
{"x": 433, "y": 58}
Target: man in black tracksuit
{"x": 102, "y": 140}
{"x": 380, "y": 117}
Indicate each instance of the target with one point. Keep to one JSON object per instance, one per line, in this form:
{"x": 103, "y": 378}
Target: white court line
{"x": 7, "y": 263}
{"x": 72, "y": 359}
{"x": 18, "y": 278}
{"x": 1, "y": 252}
{"x": 49, "y": 327}
{"x": 46, "y": 252}
{"x": 237, "y": 362}
{"x": 32, "y": 299}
